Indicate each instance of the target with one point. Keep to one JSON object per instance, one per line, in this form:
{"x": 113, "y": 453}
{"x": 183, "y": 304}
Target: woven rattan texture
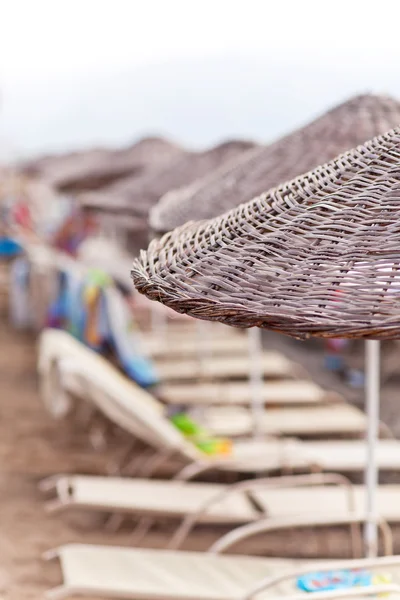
{"x": 319, "y": 255}
{"x": 340, "y": 129}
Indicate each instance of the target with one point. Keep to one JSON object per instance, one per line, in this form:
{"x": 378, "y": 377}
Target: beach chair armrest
{"x": 197, "y": 467}
{"x": 308, "y": 480}
{"x": 313, "y": 479}
{"x": 305, "y": 520}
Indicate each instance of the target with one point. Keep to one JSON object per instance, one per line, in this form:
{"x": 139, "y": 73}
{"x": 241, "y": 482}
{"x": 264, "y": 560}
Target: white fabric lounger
{"x": 67, "y": 366}
{"x": 342, "y": 456}
{"x": 273, "y": 365}
{"x": 217, "y": 503}
{"x": 189, "y": 345}
{"x": 352, "y": 455}
{"x": 284, "y": 392}
{"x": 149, "y": 497}
{"x": 113, "y": 572}
{"x": 142, "y": 574}
{"x": 321, "y": 420}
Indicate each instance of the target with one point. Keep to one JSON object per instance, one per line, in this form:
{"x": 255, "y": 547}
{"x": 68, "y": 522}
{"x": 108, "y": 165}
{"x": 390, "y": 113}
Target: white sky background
{"x": 76, "y": 72}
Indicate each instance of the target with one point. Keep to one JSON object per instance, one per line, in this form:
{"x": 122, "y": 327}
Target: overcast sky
{"x": 78, "y": 72}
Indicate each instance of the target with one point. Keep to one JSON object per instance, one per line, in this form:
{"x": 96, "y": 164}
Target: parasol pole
{"x": 372, "y": 358}
{"x": 256, "y": 379}
{"x": 204, "y": 355}
{"x": 204, "y": 352}
{"x": 158, "y": 321}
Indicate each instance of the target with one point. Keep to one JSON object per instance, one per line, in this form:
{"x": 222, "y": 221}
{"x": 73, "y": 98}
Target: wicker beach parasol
{"x": 338, "y": 130}
{"x": 133, "y": 197}
{"x": 94, "y": 169}
{"x": 318, "y": 256}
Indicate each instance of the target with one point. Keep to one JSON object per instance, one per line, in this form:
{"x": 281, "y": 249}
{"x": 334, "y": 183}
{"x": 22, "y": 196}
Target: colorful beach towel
{"x": 66, "y": 310}
{"x": 323, "y": 581}
{"x": 72, "y": 231}
{"x": 84, "y": 308}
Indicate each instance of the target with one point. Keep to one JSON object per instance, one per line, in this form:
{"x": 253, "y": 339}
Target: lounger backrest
{"x": 120, "y": 399}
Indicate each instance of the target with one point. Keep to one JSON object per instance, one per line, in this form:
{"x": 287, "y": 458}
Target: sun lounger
{"x": 95, "y": 380}
{"x": 149, "y": 497}
{"x": 68, "y": 367}
{"x": 143, "y": 574}
{"x": 349, "y": 455}
{"x": 273, "y": 364}
{"x": 316, "y": 421}
{"x": 188, "y": 344}
{"x": 285, "y": 392}
{"x": 209, "y": 502}
{"x": 194, "y": 502}
{"x": 283, "y": 502}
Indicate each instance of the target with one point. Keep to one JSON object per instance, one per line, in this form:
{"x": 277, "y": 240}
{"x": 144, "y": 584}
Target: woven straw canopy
{"x": 338, "y": 130}
{"x": 133, "y": 197}
{"x": 319, "y": 255}
{"x": 96, "y": 168}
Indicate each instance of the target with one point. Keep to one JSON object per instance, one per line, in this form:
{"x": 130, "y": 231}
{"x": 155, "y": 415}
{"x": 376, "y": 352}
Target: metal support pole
{"x": 204, "y": 356}
{"x": 256, "y": 380}
{"x": 372, "y": 356}
{"x": 204, "y": 339}
{"x": 158, "y": 321}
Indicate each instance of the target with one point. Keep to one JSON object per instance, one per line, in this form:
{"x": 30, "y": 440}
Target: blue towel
{"x": 126, "y": 344}
{"x": 9, "y": 247}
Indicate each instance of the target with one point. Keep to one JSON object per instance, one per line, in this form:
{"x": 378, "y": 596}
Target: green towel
{"x": 199, "y": 437}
